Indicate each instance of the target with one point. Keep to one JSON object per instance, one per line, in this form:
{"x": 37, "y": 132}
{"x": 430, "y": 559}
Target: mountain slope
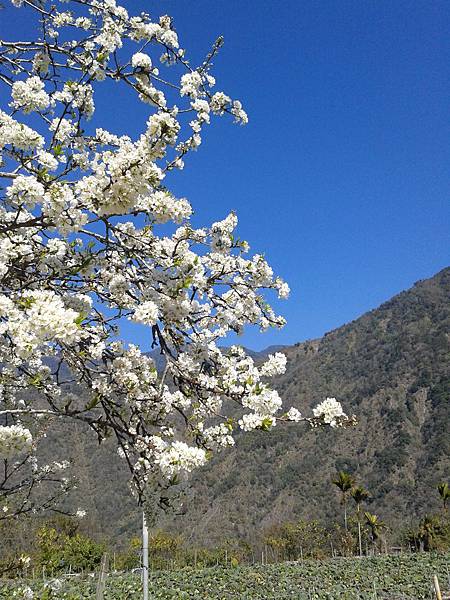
{"x": 390, "y": 367}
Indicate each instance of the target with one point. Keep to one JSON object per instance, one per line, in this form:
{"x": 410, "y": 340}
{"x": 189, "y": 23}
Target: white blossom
{"x": 14, "y": 440}
{"x": 190, "y": 84}
{"x": 47, "y": 160}
{"x": 30, "y": 95}
{"x": 146, "y": 313}
{"x": 293, "y": 414}
{"x": 330, "y": 411}
{"x": 219, "y": 102}
{"x": 38, "y": 317}
{"x": 178, "y": 456}
{"x": 251, "y": 421}
{"x": 283, "y": 288}
{"x": 64, "y": 129}
{"x": 41, "y": 62}
{"x": 25, "y": 189}
{"x": 141, "y": 60}
{"x": 275, "y": 365}
{"x": 17, "y": 134}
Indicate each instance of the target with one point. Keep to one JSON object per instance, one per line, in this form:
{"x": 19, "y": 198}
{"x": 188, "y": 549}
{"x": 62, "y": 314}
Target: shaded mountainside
{"x": 390, "y": 367}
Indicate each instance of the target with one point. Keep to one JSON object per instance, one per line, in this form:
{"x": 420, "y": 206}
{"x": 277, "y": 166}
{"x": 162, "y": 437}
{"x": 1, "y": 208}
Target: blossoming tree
{"x": 91, "y": 235}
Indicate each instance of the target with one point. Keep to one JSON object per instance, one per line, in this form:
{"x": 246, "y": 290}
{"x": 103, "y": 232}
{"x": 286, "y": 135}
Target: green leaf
{"x": 79, "y": 320}
{"x": 93, "y": 402}
{"x": 266, "y": 424}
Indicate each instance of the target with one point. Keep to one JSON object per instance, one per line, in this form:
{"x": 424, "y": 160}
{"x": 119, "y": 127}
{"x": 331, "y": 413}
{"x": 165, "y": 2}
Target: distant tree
{"x": 359, "y": 495}
{"x": 164, "y": 548}
{"x": 129, "y": 558}
{"x": 444, "y": 492}
{"x": 59, "y": 548}
{"x": 344, "y": 482}
{"x": 432, "y": 533}
{"x": 290, "y": 541}
{"x": 375, "y": 526}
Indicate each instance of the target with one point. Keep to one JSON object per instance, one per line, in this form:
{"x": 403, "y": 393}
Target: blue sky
{"x": 341, "y": 176}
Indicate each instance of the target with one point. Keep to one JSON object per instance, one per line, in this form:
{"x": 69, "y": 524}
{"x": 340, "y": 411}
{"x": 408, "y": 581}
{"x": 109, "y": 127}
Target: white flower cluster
{"x": 147, "y": 313}
{"x": 253, "y": 421}
{"x": 41, "y": 62}
{"x": 218, "y": 436}
{"x": 61, "y": 19}
{"x": 219, "y": 103}
{"x": 176, "y": 457}
{"x": 222, "y": 233}
{"x": 131, "y": 371}
{"x": 274, "y": 365}
{"x": 191, "y": 84}
{"x": 141, "y": 60}
{"x": 163, "y": 207}
{"x": 37, "y": 317}
{"x": 77, "y": 95}
{"x": 29, "y": 95}
{"x": 293, "y": 414}
{"x": 18, "y": 135}
{"x": 25, "y": 189}
{"x": 64, "y": 130}
{"x": 91, "y": 234}
{"x": 126, "y": 179}
{"x": 14, "y": 440}
{"x": 330, "y": 412}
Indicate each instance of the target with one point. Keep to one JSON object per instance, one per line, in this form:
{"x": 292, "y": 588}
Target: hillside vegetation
{"x": 390, "y": 367}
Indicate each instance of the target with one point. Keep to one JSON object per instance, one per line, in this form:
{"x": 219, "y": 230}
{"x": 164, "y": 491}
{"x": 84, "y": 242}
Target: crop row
{"x": 405, "y": 577}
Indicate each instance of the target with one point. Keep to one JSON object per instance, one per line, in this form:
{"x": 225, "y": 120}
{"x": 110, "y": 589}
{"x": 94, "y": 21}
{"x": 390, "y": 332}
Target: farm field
{"x": 405, "y": 577}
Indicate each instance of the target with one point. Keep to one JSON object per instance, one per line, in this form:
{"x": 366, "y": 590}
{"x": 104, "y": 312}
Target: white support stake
{"x": 437, "y": 588}
{"x": 144, "y": 557}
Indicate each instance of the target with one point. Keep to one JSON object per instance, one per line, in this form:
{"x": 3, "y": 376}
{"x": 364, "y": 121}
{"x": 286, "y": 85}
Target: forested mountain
{"x": 390, "y": 368}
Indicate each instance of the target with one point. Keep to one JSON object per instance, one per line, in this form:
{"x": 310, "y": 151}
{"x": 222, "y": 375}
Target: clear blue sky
{"x": 341, "y": 176}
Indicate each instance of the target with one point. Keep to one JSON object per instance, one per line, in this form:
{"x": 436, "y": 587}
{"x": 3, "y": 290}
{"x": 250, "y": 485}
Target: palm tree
{"x": 444, "y": 492}
{"x": 359, "y": 495}
{"x": 344, "y": 481}
{"x": 375, "y": 527}
{"x": 427, "y": 532}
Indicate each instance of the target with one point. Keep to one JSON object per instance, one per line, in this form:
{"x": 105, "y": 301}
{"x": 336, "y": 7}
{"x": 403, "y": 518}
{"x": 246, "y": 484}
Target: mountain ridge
{"x": 389, "y": 367}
